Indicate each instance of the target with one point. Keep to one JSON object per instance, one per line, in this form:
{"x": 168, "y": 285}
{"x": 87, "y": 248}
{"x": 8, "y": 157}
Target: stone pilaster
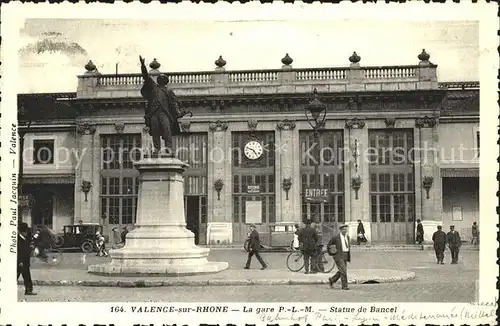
{"x": 287, "y": 167}
{"x": 357, "y": 169}
{"x": 96, "y": 180}
{"x": 85, "y": 171}
{"x": 429, "y": 183}
{"x": 219, "y": 228}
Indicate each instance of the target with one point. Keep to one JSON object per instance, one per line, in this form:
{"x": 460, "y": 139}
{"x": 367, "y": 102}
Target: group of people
{"x": 309, "y": 240}
{"x": 452, "y": 240}
{"x": 441, "y": 239}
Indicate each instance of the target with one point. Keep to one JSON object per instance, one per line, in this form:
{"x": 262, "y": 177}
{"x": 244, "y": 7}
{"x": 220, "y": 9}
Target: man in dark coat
{"x": 308, "y": 239}
{"x": 454, "y": 242}
{"x": 420, "y": 232}
{"x": 254, "y": 247}
{"x": 360, "y": 233}
{"x": 439, "y": 239}
{"x": 162, "y": 110}
{"x": 342, "y": 256}
{"x": 24, "y": 249}
{"x": 475, "y": 234}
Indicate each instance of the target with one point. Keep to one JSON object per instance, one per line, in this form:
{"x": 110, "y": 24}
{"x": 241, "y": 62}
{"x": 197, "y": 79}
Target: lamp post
{"x": 315, "y": 113}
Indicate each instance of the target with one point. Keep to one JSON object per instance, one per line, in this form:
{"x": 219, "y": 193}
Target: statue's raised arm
{"x": 144, "y": 71}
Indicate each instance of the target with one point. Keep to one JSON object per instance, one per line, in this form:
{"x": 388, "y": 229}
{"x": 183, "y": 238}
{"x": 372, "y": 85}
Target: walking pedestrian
{"x": 340, "y": 249}
{"x": 454, "y": 242}
{"x": 296, "y": 242}
{"x": 317, "y": 262}
{"x": 420, "y": 232}
{"x": 439, "y": 239}
{"x": 123, "y": 235}
{"x": 475, "y": 234}
{"x": 308, "y": 238}
{"x": 101, "y": 245}
{"x": 361, "y": 233}
{"x": 254, "y": 247}
{"x": 24, "y": 249}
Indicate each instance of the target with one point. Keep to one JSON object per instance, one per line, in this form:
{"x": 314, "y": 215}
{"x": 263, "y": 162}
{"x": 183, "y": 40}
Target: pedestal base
{"x": 155, "y": 270}
{"x": 160, "y": 245}
{"x": 159, "y": 251}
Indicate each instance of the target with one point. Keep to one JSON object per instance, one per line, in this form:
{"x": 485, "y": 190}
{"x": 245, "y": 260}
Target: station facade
{"x": 397, "y": 145}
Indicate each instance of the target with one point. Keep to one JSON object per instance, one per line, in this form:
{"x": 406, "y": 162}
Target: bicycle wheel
{"x": 295, "y": 261}
{"x": 328, "y": 263}
{"x": 54, "y": 257}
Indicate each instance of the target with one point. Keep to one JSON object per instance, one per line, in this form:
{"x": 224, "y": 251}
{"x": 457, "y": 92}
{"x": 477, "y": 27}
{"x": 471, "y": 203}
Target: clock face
{"x": 253, "y": 150}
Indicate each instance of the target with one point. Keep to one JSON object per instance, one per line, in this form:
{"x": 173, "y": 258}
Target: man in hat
{"x": 454, "y": 242}
{"x": 420, "y": 232}
{"x": 308, "y": 238}
{"x": 439, "y": 239}
{"x": 342, "y": 256}
{"x": 254, "y": 248}
{"x": 24, "y": 249}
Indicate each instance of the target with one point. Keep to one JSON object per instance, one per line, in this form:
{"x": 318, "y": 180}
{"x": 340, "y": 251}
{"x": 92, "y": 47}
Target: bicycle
{"x": 54, "y": 255}
{"x": 295, "y": 261}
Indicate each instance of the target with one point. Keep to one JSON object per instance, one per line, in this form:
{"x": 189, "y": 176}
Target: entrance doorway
{"x": 43, "y": 209}
{"x": 392, "y": 186}
{"x": 192, "y": 209}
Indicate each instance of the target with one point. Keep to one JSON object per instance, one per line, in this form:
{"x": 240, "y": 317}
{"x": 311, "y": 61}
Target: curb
{"x": 405, "y": 276}
{"x": 355, "y": 248}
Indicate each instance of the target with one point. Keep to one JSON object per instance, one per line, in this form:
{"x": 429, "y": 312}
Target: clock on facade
{"x": 253, "y": 150}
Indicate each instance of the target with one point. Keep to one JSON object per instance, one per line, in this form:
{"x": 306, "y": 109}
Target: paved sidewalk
{"x": 355, "y": 248}
{"x": 73, "y": 277}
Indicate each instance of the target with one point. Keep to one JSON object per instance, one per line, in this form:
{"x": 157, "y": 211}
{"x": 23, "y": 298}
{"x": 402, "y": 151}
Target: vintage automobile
{"x": 81, "y": 235}
{"x": 279, "y": 238}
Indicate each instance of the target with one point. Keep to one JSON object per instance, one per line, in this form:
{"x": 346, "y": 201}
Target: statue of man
{"x": 162, "y": 110}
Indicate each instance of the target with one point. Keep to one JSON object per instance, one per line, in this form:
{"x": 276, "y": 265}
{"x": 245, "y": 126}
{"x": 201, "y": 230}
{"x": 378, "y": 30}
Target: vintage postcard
{"x": 249, "y": 164}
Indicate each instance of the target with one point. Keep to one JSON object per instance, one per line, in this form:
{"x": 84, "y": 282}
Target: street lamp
{"x": 315, "y": 113}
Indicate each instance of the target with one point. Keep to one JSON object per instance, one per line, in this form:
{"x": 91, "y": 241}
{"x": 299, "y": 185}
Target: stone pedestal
{"x": 160, "y": 244}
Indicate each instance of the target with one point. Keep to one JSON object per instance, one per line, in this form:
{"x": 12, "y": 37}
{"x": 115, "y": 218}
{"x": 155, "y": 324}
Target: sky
{"x": 60, "y": 48}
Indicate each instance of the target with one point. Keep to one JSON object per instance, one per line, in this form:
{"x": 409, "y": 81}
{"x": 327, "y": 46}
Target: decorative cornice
{"x": 252, "y": 125}
{"x": 185, "y": 125}
{"x": 119, "y": 126}
{"x": 355, "y": 123}
{"x": 285, "y": 125}
{"x": 85, "y": 128}
{"x": 218, "y": 126}
{"x": 390, "y": 122}
{"x": 425, "y": 122}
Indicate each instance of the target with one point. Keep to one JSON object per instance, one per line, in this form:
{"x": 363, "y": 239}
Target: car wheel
{"x": 87, "y": 246}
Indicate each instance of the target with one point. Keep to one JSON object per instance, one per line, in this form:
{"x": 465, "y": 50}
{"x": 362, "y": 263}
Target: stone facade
{"x": 359, "y": 101}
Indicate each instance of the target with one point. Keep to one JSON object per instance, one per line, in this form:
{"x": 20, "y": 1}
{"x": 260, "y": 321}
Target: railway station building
{"x": 396, "y": 145}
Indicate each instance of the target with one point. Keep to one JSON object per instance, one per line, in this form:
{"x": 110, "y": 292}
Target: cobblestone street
{"x": 433, "y": 282}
